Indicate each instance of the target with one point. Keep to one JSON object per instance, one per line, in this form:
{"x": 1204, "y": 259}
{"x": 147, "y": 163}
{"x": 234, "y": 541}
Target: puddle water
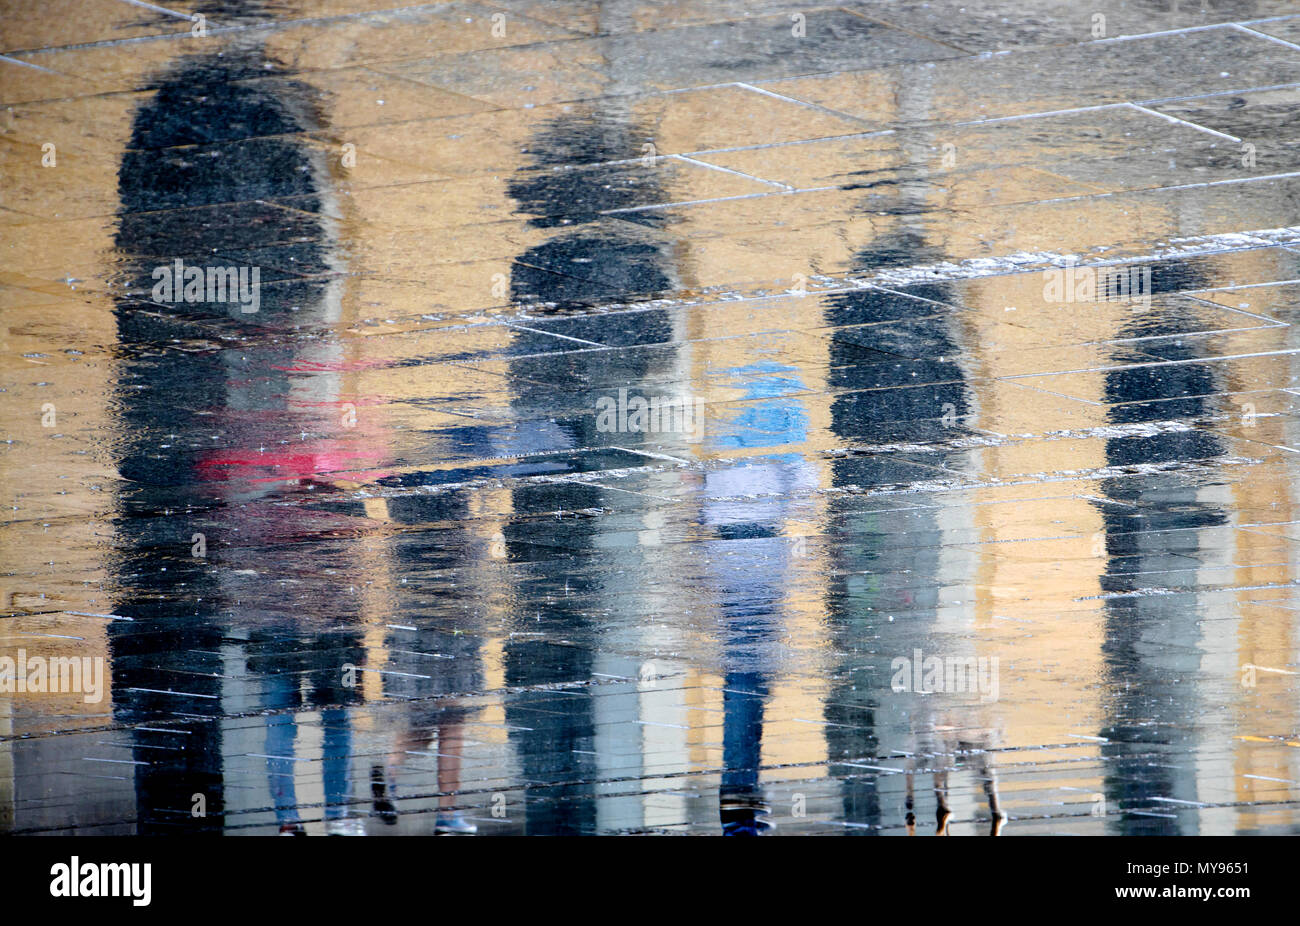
{"x": 607, "y": 420}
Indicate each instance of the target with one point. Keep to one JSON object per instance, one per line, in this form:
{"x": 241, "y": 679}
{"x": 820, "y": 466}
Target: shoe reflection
{"x": 950, "y": 756}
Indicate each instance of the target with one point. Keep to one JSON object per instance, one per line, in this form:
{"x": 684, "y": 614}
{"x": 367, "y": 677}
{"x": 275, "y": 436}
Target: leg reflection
{"x": 336, "y": 757}
{"x": 281, "y": 735}
{"x": 743, "y": 810}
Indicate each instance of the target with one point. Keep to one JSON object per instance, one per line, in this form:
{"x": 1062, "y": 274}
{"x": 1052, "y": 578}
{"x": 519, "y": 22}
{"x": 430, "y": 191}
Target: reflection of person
{"x": 1144, "y": 678}
{"x": 431, "y": 661}
{"x": 621, "y": 261}
{"x": 927, "y": 401}
{"x": 239, "y": 429}
{"x": 179, "y": 406}
{"x": 941, "y": 725}
{"x": 296, "y": 677}
{"x": 748, "y": 564}
{"x": 425, "y": 668}
{"x": 941, "y": 762}
{"x": 336, "y": 750}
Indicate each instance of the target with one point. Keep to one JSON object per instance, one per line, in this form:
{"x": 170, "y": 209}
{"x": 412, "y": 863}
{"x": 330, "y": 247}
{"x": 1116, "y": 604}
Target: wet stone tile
{"x": 1141, "y": 69}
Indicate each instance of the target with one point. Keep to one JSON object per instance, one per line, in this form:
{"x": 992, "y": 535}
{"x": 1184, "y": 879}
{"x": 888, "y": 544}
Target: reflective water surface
{"x": 633, "y": 417}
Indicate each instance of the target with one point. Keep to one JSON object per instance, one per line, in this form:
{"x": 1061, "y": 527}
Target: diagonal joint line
{"x": 1177, "y": 121}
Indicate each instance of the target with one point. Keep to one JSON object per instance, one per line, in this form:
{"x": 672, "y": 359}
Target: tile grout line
{"x": 159, "y": 9}
{"x": 1273, "y": 322}
{"x": 1060, "y": 199}
{"x": 551, "y": 334}
{"x": 1038, "y": 115}
{"x": 1147, "y": 35}
{"x": 727, "y": 170}
{"x": 1175, "y": 120}
{"x": 1206, "y": 96}
{"x": 1160, "y": 189}
{"x": 720, "y": 199}
{"x": 797, "y": 141}
{"x": 1265, "y": 35}
{"x": 789, "y": 99}
{"x": 906, "y": 31}
{"x": 34, "y": 67}
{"x": 1156, "y": 363}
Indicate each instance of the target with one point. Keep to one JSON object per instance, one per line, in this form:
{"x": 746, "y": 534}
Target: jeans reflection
{"x": 316, "y": 684}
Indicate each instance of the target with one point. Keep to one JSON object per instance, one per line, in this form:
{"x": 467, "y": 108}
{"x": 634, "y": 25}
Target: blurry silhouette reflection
{"x": 749, "y": 564}
{"x": 928, "y": 401}
{"x": 556, "y": 745}
{"x": 215, "y": 437}
{"x": 1151, "y": 707}
{"x": 433, "y": 667}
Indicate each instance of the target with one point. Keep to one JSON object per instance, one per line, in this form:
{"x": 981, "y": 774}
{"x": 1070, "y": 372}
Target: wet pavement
{"x": 628, "y": 417}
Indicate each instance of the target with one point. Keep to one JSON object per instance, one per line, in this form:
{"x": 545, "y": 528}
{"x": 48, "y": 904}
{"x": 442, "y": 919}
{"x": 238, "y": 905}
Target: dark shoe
{"x": 745, "y": 817}
{"x": 384, "y": 808}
